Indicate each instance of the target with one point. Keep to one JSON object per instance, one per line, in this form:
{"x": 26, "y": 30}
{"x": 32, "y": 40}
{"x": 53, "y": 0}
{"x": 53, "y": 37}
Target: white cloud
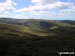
{"x": 52, "y": 4}
{"x": 7, "y": 6}
{"x": 44, "y": 1}
{"x": 45, "y": 7}
{"x": 46, "y": 13}
{"x": 8, "y": 3}
{"x": 63, "y": 5}
{"x": 6, "y": 12}
{"x": 68, "y": 11}
{"x": 22, "y": 10}
{"x": 18, "y": 16}
{"x": 58, "y": 5}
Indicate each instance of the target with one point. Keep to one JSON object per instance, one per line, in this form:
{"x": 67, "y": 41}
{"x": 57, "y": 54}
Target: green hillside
{"x": 36, "y": 37}
{"x": 38, "y": 23}
{"x": 18, "y": 30}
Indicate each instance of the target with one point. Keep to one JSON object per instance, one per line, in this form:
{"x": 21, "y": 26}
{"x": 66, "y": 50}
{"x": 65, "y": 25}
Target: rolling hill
{"x": 35, "y": 37}
{"x": 37, "y": 23}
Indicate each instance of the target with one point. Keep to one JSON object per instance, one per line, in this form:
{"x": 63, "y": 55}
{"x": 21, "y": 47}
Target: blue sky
{"x": 38, "y": 9}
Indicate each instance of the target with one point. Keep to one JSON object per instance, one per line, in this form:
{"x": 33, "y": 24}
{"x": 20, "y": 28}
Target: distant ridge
{"x": 38, "y": 23}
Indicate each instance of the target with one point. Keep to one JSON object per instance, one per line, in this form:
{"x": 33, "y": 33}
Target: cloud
{"x": 48, "y": 8}
{"x": 45, "y": 1}
{"x": 20, "y": 16}
{"x": 8, "y": 3}
{"x": 56, "y": 5}
{"x": 4, "y": 12}
{"x": 68, "y": 11}
{"x": 7, "y": 6}
{"x": 22, "y": 10}
{"x": 63, "y": 5}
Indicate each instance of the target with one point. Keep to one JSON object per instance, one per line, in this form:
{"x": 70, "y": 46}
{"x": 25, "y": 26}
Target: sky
{"x": 38, "y": 9}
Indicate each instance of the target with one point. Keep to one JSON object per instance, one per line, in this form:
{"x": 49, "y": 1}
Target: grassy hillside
{"x": 38, "y": 24}
{"x": 36, "y": 38}
{"x": 18, "y": 30}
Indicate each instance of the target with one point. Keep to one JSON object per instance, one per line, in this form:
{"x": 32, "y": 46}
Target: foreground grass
{"x": 48, "y": 46}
